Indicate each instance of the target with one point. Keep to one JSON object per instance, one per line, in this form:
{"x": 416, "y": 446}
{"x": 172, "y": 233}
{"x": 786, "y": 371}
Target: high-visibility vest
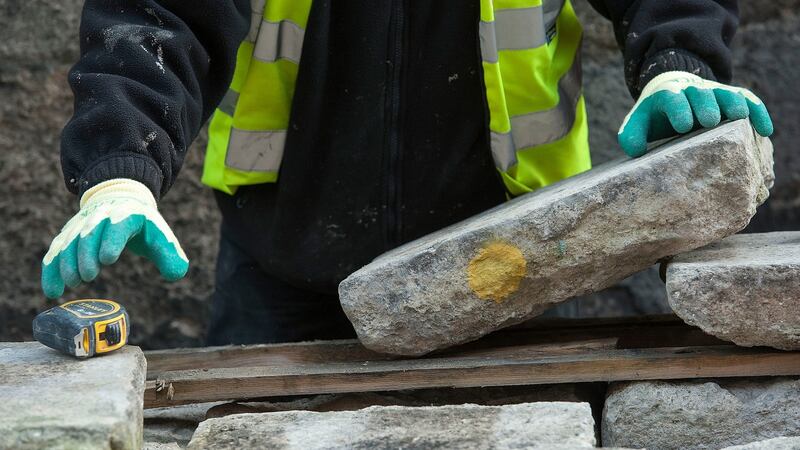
{"x": 530, "y": 53}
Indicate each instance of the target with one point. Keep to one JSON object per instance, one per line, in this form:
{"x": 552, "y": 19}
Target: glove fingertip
{"x": 704, "y": 106}
{"x": 633, "y": 136}
{"x": 764, "y": 129}
{"x": 174, "y": 269}
{"x": 709, "y": 118}
{"x": 683, "y": 125}
{"x": 88, "y": 272}
{"x": 760, "y": 119}
{"x": 53, "y": 293}
{"x": 108, "y": 255}
{"x": 632, "y": 146}
{"x": 52, "y": 284}
{"x": 732, "y": 104}
{"x": 709, "y": 121}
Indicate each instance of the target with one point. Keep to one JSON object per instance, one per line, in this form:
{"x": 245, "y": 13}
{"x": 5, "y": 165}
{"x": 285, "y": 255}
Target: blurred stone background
{"x": 39, "y": 42}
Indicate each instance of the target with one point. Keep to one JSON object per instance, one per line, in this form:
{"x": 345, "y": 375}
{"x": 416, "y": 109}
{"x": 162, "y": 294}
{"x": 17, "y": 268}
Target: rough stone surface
{"x": 527, "y": 425}
{"x": 745, "y": 289}
{"x": 578, "y": 236}
{"x": 50, "y": 400}
{"x": 39, "y": 41}
{"x": 174, "y": 424}
{"x": 781, "y": 443}
{"x": 700, "y": 414}
{"x": 167, "y": 432}
{"x": 161, "y": 446}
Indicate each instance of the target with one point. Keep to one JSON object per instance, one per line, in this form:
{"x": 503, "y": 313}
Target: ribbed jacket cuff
{"x": 135, "y": 166}
{"x": 672, "y": 60}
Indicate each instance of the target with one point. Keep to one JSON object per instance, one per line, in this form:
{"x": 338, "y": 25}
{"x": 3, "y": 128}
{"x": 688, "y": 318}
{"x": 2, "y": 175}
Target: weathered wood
{"x": 258, "y": 355}
{"x": 522, "y": 368}
{"x": 524, "y": 356}
{"x": 553, "y": 334}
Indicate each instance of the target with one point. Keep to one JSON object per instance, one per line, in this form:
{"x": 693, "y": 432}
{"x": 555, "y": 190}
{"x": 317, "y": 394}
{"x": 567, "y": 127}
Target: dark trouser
{"x": 252, "y": 307}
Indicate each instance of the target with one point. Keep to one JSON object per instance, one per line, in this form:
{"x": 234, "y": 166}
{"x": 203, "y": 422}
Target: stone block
{"x": 744, "y": 289}
{"x": 578, "y": 236}
{"x": 174, "y": 424}
{"x": 161, "y": 446}
{"x": 700, "y": 414}
{"x": 528, "y": 425}
{"x": 49, "y": 400}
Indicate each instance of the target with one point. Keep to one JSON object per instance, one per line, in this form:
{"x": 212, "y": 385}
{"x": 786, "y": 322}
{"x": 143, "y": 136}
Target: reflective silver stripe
{"x": 488, "y": 42}
{"x": 279, "y": 40}
{"x": 521, "y": 28}
{"x": 503, "y": 150}
{"x": 228, "y": 103}
{"x": 256, "y": 16}
{"x": 255, "y": 151}
{"x": 541, "y": 127}
{"x": 518, "y": 29}
{"x": 552, "y": 8}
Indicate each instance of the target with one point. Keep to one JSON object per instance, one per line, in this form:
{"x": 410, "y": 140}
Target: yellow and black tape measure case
{"x": 83, "y": 328}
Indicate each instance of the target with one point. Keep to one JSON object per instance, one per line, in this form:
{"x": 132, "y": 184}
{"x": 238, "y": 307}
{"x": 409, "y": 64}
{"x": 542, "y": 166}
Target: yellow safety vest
{"x": 531, "y": 70}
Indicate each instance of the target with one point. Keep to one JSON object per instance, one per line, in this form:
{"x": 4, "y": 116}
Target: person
{"x": 343, "y": 129}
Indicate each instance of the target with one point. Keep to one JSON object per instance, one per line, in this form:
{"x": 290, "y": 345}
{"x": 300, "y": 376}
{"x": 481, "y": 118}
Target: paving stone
{"x": 528, "y": 425}
{"x": 178, "y": 423}
{"x": 578, "y": 236}
{"x": 161, "y": 446}
{"x": 745, "y": 289}
{"x": 700, "y": 414}
{"x": 781, "y": 443}
{"x": 167, "y": 432}
{"x": 54, "y": 401}
{"x": 174, "y": 424}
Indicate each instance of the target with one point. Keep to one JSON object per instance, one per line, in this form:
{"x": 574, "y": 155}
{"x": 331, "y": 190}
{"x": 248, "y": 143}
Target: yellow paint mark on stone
{"x": 496, "y": 271}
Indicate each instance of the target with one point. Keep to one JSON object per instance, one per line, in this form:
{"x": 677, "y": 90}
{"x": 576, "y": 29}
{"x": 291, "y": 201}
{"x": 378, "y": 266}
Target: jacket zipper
{"x": 393, "y": 140}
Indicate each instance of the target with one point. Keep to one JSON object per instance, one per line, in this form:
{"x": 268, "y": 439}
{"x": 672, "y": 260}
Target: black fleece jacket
{"x": 388, "y": 137}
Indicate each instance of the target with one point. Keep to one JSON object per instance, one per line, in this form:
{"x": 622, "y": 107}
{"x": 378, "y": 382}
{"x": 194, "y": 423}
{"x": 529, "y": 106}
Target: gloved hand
{"x": 114, "y": 214}
{"x": 678, "y": 102}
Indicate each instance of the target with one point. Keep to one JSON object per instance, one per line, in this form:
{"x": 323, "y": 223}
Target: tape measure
{"x": 83, "y": 328}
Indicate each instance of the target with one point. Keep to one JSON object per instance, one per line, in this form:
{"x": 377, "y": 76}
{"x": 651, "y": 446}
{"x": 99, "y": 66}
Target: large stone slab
{"x": 578, "y": 236}
{"x": 528, "y": 425}
{"x": 700, "y": 415}
{"x": 53, "y": 401}
{"x": 745, "y": 289}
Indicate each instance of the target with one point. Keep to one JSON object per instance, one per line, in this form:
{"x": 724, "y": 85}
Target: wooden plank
{"x": 258, "y": 355}
{"x": 522, "y": 368}
{"x": 605, "y": 351}
{"x": 559, "y": 335}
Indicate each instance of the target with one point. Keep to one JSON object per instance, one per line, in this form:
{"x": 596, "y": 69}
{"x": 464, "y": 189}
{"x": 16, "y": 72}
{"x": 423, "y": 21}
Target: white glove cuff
{"x": 119, "y": 187}
{"x": 674, "y": 81}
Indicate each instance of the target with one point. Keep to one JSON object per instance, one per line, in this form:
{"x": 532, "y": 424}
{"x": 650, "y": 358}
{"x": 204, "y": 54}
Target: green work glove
{"x": 114, "y": 214}
{"x": 678, "y": 102}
